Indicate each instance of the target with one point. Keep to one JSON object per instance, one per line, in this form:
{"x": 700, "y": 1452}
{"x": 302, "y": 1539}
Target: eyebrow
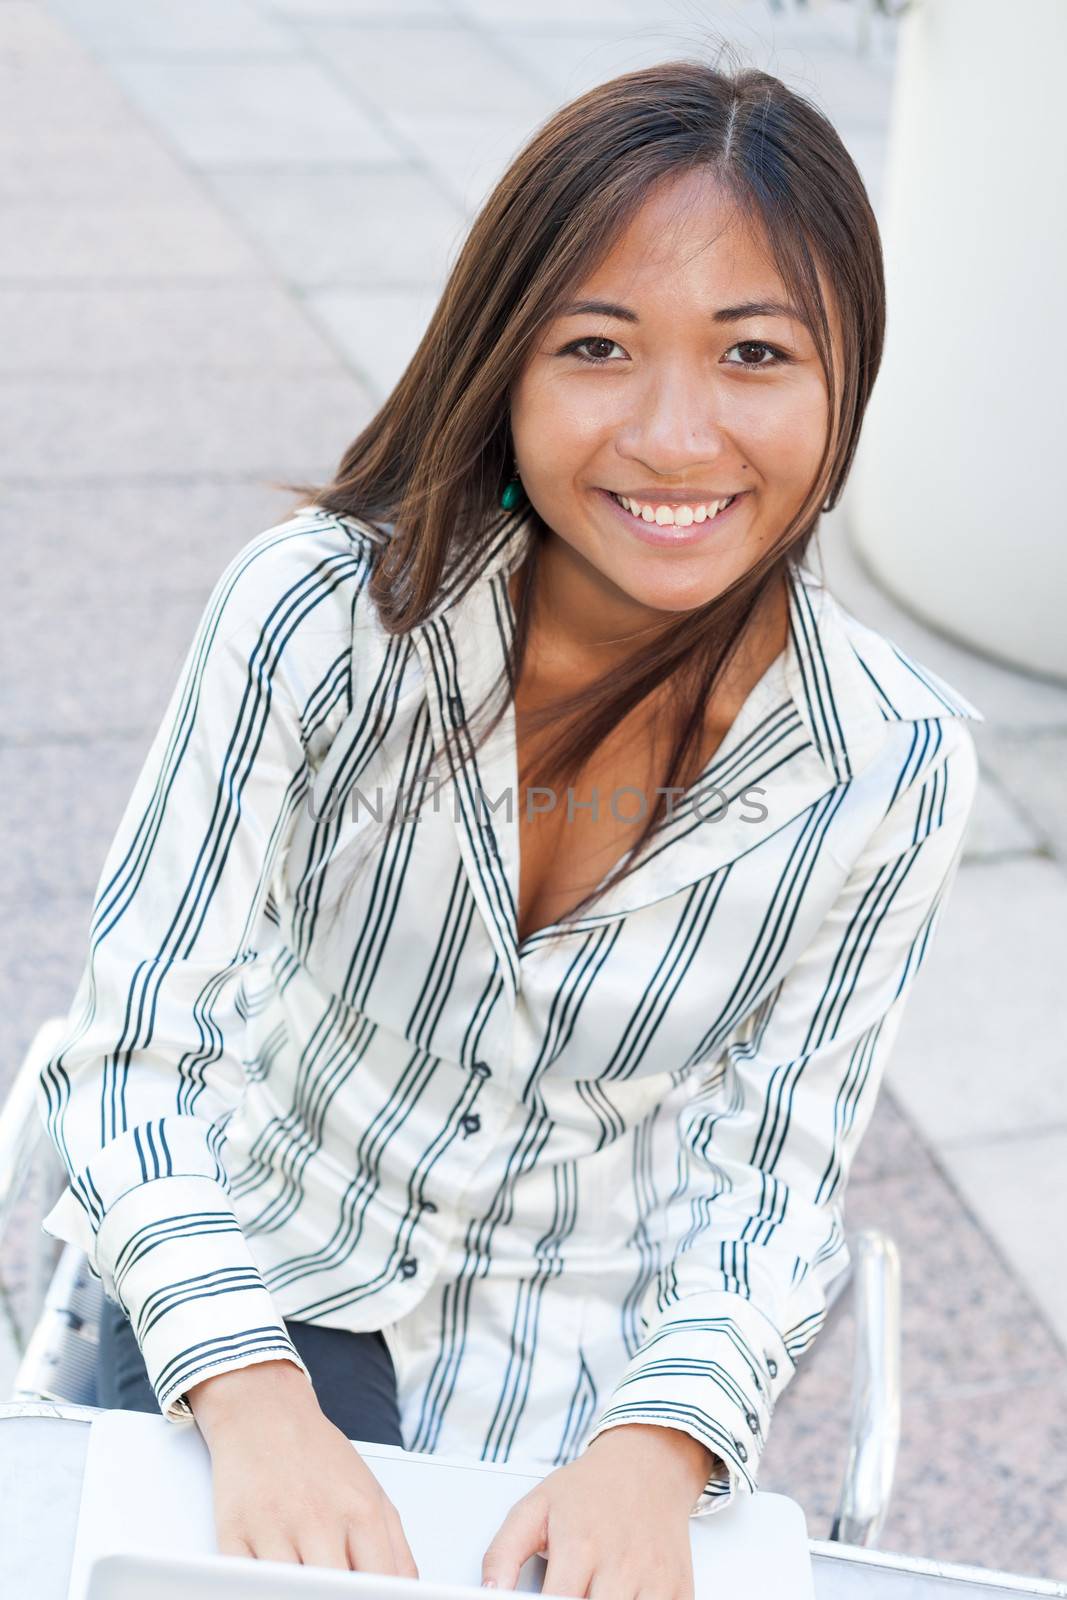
{"x": 749, "y": 308}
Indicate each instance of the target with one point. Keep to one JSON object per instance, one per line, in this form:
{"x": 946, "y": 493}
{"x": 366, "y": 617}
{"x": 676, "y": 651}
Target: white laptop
{"x": 119, "y": 1577}
{"x": 146, "y": 1528}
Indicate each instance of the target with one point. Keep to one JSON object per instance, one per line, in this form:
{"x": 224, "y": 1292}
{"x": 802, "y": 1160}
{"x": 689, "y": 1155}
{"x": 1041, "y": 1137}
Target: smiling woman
{"x": 693, "y": 327}
{"x": 562, "y": 1104}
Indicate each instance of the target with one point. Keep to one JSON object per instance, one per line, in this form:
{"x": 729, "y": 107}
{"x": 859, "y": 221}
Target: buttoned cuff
{"x": 170, "y": 1251}
{"x": 715, "y": 1373}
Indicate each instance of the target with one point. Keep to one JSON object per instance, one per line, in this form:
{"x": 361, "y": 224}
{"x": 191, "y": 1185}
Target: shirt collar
{"x": 816, "y": 719}
{"x": 847, "y": 681}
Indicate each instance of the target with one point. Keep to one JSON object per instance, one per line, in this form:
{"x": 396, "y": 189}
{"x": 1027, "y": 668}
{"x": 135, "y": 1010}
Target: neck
{"x": 583, "y": 625}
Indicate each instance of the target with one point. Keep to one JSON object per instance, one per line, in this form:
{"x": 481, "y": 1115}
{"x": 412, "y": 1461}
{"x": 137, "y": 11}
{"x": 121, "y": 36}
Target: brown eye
{"x": 600, "y": 345}
{"x": 778, "y": 357}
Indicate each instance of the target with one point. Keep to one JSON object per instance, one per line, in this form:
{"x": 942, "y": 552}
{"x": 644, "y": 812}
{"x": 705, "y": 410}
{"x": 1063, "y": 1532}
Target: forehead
{"x": 689, "y": 229}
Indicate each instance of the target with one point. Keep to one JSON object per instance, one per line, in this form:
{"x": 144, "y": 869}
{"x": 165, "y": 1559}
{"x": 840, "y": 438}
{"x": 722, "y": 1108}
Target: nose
{"x": 675, "y": 425}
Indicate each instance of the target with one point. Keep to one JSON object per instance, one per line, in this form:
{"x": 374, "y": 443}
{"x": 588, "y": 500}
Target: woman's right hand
{"x": 288, "y": 1485}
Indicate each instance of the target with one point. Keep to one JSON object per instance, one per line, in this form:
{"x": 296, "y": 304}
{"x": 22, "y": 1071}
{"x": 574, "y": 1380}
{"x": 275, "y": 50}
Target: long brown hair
{"x": 431, "y": 464}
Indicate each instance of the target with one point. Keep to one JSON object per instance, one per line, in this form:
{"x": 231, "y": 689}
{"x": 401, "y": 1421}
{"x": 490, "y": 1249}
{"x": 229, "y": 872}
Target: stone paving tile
{"x": 1026, "y": 1219}
{"x": 466, "y": 151}
{"x": 43, "y": 945}
{"x": 113, "y": 27}
{"x": 968, "y": 1322}
{"x": 984, "y": 1480}
{"x": 106, "y": 171}
{"x": 590, "y": 13}
{"x": 980, "y": 1479}
{"x": 1032, "y": 767}
{"x": 79, "y": 98}
{"x": 452, "y": 67}
{"x": 568, "y": 63}
{"x": 981, "y": 1049}
{"x": 132, "y": 424}
{"x": 219, "y": 113}
{"x": 867, "y": 149}
{"x": 144, "y": 541}
{"x": 109, "y": 670}
{"x": 30, "y": 34}
{"x": 854, "y": 93}
{"x": 378, "y": 330}
{"x": 891, "y": 1146}
{"x": 374, "y": 228}
{"x": 63, "y": 803}
{"x": 148, "y": 328}
{"x": 81, "y": 240}
{"x": 997, "y": 826}
{"x": 412, "y": 12}
{"x": 1002, "y": 694}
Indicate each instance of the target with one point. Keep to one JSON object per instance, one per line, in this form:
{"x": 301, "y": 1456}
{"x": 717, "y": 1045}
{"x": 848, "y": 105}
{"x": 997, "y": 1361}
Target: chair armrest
{"x": 21, "y": 1128}
{"x": 874, "y": 1430}
{"x": 31, "y": 1178}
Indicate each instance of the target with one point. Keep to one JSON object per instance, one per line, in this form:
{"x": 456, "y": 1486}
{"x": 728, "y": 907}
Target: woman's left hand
{"x": 613, "y": 1523}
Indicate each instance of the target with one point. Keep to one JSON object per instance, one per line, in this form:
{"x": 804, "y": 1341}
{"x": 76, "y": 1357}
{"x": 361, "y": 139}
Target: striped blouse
{"x": 589, "y": 1178}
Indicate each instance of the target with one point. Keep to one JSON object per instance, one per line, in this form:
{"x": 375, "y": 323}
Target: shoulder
{"x": 910, "y": 730}
{"x": 276, "y": 633}
{"x": 903, "y": 687}
{"x": 304, "y": 570}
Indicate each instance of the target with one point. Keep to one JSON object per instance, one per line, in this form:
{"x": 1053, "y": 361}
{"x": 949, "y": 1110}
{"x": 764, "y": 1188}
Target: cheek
{"x": 556, "y": 428}
{"x": 784, "y": 435}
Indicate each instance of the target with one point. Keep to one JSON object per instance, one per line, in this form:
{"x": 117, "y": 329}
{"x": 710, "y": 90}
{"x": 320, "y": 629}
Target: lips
{"x": 671, "y": 535}
{"x": 682, "y": 515}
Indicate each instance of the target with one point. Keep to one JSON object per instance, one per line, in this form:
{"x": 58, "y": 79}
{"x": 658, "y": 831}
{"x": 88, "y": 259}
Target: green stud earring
{"x": 512, "y": 491}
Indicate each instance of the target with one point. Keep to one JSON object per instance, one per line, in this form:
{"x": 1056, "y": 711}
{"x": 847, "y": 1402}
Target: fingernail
{"x": 488, "y": 1583}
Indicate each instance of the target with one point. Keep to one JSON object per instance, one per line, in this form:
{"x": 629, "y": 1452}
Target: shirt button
{"x": 483, "y": 1069}
{"x": 427, "y": 1205}
{"x": 409, "y": 1266}
{"x": 471, "y": 1123}
{"x": 742, "y": 1453}
{"x": 752, "y": 1420}
{"x": 772, "y": 1366}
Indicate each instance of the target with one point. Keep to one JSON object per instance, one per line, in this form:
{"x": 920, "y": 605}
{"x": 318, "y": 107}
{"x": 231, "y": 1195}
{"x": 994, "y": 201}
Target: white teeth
{"x": 673, "y": 516}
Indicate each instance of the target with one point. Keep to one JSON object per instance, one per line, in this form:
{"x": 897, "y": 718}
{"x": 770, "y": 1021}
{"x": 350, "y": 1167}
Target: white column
{"x": 957, "y": 500}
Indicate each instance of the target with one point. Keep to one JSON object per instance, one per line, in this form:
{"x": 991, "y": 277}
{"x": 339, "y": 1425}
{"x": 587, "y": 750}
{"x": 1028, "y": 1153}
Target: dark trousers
{"x": 351, "y": 1373}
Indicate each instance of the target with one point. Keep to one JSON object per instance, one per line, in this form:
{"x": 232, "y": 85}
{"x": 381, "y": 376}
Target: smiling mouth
{"x": 682, "y": 516}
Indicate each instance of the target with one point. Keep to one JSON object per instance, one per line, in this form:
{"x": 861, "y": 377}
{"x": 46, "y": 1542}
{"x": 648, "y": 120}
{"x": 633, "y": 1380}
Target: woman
{"x": 493, "y": 1088}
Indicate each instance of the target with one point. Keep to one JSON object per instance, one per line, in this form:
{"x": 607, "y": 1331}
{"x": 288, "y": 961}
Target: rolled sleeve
{"x": 137, "y": 1095}
{"x": 769, "y": 1136}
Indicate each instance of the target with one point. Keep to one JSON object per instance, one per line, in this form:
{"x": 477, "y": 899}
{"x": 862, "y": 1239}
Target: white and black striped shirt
{"x": 577, "y": 1181}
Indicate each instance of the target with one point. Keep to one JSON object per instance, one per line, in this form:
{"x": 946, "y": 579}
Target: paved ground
{"x": 225, "y": 223}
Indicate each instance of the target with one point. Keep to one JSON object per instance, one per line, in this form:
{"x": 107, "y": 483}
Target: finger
{"x": 271, "y": 1547}
{"x": 233, "y": 1545}
{"x": 522, "y": 1533}
{"x": 370, "y": 1548}
{"x": 403, "y": 1559}
{"x": 610, "y": 1583}
{"x": 324, "y": 1550}
{"x": 570, "y": 1574}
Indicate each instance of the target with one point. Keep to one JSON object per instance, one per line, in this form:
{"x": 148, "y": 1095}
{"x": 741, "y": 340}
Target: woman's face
{"x": 673, "y": 390}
